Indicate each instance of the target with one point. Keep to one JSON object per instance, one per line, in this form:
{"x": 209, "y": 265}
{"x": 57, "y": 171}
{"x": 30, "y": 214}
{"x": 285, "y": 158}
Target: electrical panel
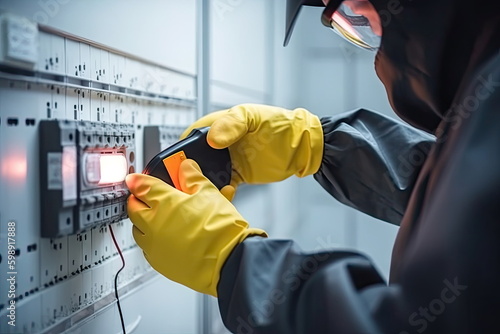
{"x": 157, "y": 138}
{"x": 73, "y": 118}
{"x": 83, "y": 166}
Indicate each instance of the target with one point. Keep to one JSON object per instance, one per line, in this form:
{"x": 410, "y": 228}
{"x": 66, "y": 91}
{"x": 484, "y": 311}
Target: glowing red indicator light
{"x": 105, "y": 168}
{"x": 15, "y": 167}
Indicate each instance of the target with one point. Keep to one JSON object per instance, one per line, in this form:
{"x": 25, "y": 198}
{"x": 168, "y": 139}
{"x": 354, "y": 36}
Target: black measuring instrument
{"x": 214, "y": 163}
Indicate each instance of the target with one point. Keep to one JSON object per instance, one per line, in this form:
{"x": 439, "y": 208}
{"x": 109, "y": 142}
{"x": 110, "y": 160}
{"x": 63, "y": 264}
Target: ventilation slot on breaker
{"x": 82, "y": 171}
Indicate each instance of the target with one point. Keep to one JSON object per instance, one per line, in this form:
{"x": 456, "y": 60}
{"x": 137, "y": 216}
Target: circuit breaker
{"x": 83, "y": 166}
{"x": 158, "y": 137}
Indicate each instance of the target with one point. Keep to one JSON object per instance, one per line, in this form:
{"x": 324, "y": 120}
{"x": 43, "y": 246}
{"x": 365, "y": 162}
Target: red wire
{"x": 116, "y": 278}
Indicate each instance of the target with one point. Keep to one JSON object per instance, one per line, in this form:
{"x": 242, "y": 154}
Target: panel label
{"x": 54, "y": 172}
{"x": 69, "y": 171}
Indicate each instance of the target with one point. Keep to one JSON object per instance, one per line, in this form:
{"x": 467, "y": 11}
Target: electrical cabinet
{"x": 72, "y": 119}
{"x": 82, "y": 168}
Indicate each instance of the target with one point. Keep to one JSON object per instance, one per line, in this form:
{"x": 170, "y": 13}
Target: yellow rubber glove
{"x": 266, "y": 144}
{"x": 185, "y": 235}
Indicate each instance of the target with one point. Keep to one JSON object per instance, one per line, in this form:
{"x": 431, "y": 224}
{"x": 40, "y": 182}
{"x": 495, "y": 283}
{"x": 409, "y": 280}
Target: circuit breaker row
{"x": 56, "y": 101}
{"x": 158, "y": 138}
{"x": 55, "y": 302}
{"x": 80, "y": 60}
{"x": 82, "y": 168}
{"x": 23, "y": 45}
{"x": 83, "y": 263}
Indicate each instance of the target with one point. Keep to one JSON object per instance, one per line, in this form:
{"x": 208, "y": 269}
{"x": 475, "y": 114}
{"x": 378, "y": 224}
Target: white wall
{"x": 324, "y": 74}
{"x": 333, "y": 77}
{"x": 158, "y": 30}
{"x": 239, "y": 66}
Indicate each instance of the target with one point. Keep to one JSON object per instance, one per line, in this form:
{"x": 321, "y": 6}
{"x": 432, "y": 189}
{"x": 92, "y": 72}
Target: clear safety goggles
{"x": 357, "y": 21}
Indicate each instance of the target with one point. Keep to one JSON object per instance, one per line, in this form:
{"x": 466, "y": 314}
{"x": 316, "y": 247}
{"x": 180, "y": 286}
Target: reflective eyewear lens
{"x": 357, "y": 22}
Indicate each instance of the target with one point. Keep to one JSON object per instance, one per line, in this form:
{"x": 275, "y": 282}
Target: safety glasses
{"x": 356, "y": 21}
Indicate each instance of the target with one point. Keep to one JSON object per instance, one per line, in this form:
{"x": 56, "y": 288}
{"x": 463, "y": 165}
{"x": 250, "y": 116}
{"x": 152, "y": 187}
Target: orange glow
{"x": 344, "y": 24}
{"x": 14, "y": 167}
{"x": 113, "y": 168}
{"x": 366, "y": 9}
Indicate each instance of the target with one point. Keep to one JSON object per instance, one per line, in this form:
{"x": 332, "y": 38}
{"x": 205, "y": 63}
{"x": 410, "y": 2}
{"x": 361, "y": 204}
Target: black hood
{"x": 429, "y": 50}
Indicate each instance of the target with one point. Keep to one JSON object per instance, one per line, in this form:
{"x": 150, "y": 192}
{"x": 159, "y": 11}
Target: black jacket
{"x": 443, "y": 191}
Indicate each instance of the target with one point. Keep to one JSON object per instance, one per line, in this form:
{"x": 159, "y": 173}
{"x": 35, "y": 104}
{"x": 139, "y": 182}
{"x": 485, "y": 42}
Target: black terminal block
{"x": 83, "y": 166}
{"x": 214, "y": 163}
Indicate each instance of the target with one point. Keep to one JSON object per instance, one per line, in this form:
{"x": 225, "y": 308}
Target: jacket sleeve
{"x": 270, "y": 286}
{"x": 447, "y": 277}
{"x": 371, "y": 162}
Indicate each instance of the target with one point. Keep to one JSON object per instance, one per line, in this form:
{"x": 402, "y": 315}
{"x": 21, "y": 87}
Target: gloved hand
{"x": 185, "y": 235}
{"x": 266, "y": 144}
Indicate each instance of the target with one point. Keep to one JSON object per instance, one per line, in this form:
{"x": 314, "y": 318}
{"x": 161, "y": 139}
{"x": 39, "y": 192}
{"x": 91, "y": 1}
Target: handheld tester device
{"x": 214, "y": 163}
